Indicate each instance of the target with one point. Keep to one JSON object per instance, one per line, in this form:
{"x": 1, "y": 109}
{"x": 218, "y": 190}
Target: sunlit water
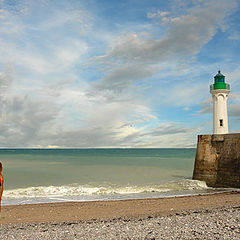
{"x": 52, "y": 175}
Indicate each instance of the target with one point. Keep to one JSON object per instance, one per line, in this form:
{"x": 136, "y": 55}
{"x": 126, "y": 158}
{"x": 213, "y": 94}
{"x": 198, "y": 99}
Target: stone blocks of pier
{"x": 217, "y": 160}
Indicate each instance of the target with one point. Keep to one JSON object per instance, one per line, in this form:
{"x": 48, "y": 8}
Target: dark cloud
{"x": 24, "y": 122}
{"x": 118, "y": 79}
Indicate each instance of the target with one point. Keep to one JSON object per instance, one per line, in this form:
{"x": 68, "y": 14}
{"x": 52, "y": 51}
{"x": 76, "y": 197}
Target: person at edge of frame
{"x": 1, "y": 184}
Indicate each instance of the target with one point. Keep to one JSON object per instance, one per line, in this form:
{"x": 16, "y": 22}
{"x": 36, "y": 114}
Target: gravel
{"x": 221, "y": 223}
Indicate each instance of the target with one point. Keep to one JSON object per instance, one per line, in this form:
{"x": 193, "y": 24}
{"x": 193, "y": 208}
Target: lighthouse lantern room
{"x": 220, "y": 91}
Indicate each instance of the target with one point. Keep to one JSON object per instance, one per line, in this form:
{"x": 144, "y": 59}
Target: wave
{"x": 91, "y": 190}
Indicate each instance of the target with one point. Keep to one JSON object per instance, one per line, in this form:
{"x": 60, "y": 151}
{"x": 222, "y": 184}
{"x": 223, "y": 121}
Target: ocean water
{"x": 53, "y": 175}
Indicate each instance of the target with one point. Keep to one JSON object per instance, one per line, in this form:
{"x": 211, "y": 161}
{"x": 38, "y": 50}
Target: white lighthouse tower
{"x": 220, "y": 91}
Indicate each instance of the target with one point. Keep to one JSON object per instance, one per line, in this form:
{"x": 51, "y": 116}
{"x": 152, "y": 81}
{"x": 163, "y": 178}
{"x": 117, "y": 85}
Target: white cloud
{"x": 40, "y": 45}
{"x": 10, "y": 25}
{"x": 5, "y": 79}
{"x": 59, "y": 18}
{"x": 70, "y": 52}
{"x": 234, "y": 36}
{"x": 185, "y": 36}
{"x": 49, "y": 101}
{"x": 233, "y": 77}
{"x": 184, "y": 94}
{"x": 165, "y": 135}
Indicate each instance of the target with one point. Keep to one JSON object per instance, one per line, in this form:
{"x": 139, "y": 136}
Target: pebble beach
{"x": 222, "y": 223}
{"x": 214, "y": 217}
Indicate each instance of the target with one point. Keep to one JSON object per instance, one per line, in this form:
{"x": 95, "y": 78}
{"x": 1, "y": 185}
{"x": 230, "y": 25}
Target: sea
{"x": 59, "y": 175}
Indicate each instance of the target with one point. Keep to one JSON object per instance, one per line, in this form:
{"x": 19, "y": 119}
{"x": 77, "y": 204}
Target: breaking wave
{"x": 104, "y": 190}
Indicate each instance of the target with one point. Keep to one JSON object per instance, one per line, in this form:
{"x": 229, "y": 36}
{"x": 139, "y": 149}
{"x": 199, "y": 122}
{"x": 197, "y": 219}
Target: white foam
{"x": 91, "y": 190}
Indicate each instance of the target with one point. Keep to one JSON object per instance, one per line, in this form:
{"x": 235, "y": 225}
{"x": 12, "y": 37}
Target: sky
{"x": 110, "y": 73}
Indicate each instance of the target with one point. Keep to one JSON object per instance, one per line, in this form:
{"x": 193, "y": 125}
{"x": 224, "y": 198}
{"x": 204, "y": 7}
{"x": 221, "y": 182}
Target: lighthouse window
{"x": 221, "y": 122}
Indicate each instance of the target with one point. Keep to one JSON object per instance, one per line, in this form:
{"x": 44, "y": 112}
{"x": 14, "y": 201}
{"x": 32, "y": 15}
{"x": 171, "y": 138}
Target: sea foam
{"x": 91, "y": 190}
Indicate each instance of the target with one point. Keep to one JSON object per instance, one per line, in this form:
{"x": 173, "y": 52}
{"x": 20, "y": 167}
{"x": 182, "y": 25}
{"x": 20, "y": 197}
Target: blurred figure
{"x": 1, "y": 184}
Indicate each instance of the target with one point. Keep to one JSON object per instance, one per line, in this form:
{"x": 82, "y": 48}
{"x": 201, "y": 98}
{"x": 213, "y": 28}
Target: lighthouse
{"x": 220, "y": 91}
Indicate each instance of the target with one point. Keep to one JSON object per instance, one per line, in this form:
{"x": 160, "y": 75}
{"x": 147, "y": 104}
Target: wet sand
{"x": 124, "y": 209}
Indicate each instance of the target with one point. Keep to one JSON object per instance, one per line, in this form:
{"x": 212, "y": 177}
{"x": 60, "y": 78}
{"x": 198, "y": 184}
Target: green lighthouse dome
{"x": 219, "y": 82}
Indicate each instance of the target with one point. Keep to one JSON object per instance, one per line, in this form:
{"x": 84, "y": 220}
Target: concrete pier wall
{"x": 217, "y": 160}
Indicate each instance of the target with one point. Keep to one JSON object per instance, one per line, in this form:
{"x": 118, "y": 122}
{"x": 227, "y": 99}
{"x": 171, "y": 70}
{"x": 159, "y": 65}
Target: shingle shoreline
{"x": 216, "y": 223}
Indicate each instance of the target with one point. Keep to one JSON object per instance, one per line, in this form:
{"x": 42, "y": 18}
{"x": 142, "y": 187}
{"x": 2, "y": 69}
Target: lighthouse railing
{"x": 227, "y": 86}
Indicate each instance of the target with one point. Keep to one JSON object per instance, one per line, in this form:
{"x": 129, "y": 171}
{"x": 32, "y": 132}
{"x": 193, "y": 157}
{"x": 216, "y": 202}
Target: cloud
{"x": 23, "y": 121}
{"x": 122, "y": 77}
{"x": 135, "y": 56}
{"x": 165, "y": 135}
{"x": 38, "y": 76}
{"x": 234, "y": 36}
{"x": 158, "y": 14}
{"x": 233, "y": 76}
{"x": 55, "y": 91}
{"x": 10, "y": 25}
{"x": 32, "y": 123}
{"x": 68, "y": 119}
{"x": 76, "y": 18}
{"x": 206, "y": 107}
{"x": 45, "y": 38}
{"x": 167, "y": 129}
{"x": 233, "y": 105}
{"x": 234, "y": 110}
{"x": 184, "y": 94}
{"x": 5, "y": 79}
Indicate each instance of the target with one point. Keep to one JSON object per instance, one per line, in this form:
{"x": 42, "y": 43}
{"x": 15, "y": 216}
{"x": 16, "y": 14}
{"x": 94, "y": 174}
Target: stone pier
{"x": 217, "y": 160}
